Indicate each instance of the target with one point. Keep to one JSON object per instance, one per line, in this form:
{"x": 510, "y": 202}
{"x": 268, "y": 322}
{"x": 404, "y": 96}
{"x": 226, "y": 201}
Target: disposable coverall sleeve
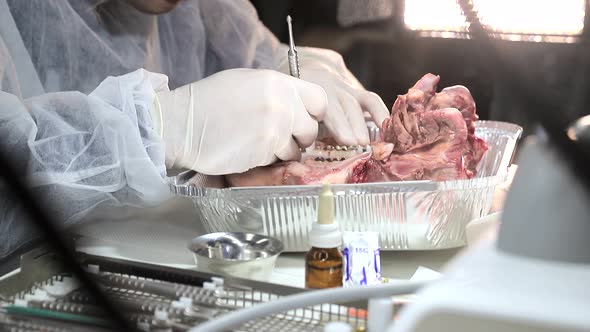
{"x": 236, "y": 38}
{"x": 81, "y": 151}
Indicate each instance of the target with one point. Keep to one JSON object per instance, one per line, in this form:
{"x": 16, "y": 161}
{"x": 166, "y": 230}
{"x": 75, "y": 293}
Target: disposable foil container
{"x": 408, "y": 215}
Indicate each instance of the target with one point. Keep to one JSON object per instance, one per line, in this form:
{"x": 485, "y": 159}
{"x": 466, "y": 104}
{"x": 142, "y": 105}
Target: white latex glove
{"x": 347, "y": 99}
{"x": 238, "y": 119}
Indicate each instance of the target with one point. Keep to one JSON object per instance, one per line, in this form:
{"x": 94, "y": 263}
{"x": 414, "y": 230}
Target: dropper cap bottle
{"x": 323, "y": 262}
{"x": 325, "y": 233}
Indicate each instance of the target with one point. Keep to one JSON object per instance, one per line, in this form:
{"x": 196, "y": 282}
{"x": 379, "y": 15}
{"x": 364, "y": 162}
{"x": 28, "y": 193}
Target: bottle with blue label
{"x": 323, "y": 262}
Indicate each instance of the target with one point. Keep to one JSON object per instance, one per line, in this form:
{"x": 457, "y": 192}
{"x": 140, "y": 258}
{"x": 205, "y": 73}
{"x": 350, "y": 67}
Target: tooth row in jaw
{"x": 332, "y": 153}
{"x": 322, "y": 159}
{"x": 357, "y": 148}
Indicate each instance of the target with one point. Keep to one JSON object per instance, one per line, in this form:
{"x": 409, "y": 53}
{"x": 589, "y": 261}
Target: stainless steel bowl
{"x": 244, "y": 255}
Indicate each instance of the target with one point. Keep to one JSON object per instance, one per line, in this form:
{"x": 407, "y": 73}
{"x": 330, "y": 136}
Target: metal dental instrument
{"x": 292, "y": 54}
{"x": 293, "y": 59}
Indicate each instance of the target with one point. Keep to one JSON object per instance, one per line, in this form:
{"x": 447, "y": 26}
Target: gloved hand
{"x": 238, "y": 119}
{"x": 347, "y": 99}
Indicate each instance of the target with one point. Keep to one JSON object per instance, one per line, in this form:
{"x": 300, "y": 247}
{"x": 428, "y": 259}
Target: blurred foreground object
{"x": 535, "y": 277}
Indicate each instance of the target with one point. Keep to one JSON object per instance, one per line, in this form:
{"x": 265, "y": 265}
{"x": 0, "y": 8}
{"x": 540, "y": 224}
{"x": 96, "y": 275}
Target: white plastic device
{"x": 488, "y": 290}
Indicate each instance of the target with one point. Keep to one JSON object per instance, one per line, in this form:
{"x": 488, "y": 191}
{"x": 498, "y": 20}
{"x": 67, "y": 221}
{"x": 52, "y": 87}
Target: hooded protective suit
{"x": 84, "y": 137}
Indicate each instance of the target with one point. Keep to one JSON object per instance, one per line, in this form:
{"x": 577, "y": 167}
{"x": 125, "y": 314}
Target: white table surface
{"x": 160, "y": 236}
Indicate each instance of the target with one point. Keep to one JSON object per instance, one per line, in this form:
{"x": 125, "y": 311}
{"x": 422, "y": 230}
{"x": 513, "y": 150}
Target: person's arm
{"x": 80, "y": 151}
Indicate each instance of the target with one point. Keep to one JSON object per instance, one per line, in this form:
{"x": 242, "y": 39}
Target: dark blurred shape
{"x": 44, "y": 224}
{"x": 353, "y": 12}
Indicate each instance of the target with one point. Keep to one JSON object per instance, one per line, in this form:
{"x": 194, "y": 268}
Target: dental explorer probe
{"x": 293, "y": 60}
{"x": 292, "y": 53}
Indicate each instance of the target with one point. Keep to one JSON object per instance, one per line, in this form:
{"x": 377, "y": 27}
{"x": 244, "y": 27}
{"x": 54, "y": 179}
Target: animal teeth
{"x": 342, "y": 159}
{"x": 341, "y": 150}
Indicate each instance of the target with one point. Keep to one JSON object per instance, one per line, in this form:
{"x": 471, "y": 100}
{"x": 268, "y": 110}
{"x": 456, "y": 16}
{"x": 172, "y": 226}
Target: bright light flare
{"x": 434, "y": 15}
{"x": 539, "y": 17}
{"x": 511, "y": 18}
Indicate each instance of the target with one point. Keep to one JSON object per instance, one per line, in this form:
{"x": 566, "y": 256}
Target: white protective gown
{"x": 74, "y": 99}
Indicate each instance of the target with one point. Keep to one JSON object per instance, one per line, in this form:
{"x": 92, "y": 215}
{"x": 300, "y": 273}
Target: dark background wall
{"x": 388, "y": 59}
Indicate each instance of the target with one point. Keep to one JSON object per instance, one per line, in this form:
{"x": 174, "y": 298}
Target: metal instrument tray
{"x": 140, "y": 289}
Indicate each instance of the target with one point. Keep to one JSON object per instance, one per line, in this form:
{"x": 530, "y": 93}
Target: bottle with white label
{"x": 323, "y": 262}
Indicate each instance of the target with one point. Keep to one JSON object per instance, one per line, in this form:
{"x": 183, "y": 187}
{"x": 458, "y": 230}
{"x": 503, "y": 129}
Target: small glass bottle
{"x": 323, "y": 262}
{"x": 323, "y": 268}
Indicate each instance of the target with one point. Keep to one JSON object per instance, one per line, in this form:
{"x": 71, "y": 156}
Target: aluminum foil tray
{"x": 410, "y": 215}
